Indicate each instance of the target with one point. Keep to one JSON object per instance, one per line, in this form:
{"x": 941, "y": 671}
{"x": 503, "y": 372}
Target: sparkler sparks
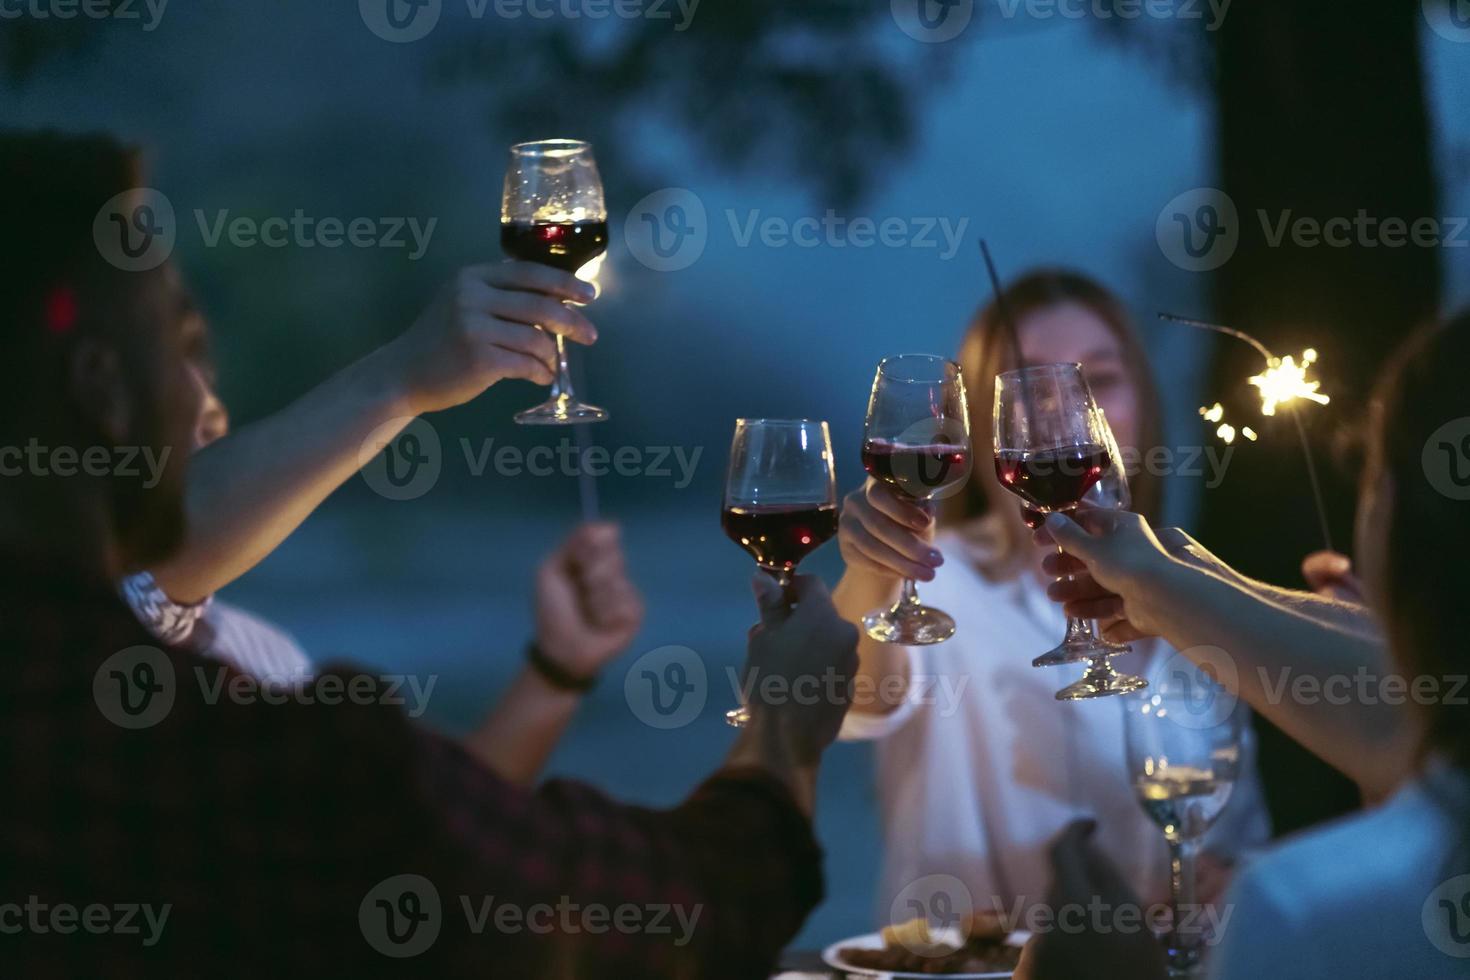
{"x": 1284, "y": 380}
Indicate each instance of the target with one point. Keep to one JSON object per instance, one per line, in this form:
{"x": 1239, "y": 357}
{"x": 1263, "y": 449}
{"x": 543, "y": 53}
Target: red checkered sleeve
{"x": 587, "y": 886}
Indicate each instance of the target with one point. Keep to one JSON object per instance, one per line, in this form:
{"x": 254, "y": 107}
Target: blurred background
{"x": 1068, "y": 133}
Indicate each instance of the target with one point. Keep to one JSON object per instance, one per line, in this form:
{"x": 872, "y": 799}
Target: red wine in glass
{"x": 917, "y": 472}
{"x": 1052, "y": 479}
{"x": 1032, "y": 517}
{"x": 779, "y": 536}
{"x": 565, "y": 245}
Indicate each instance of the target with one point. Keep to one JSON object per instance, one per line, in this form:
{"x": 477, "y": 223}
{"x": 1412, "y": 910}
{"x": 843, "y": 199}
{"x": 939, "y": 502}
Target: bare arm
{"x": 1298, "y": 663}
{"x": 250, "y": 490}
{"x": 587, "y": 612}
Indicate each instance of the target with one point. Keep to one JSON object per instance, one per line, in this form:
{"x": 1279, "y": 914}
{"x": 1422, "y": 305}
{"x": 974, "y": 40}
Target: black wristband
{"x": 555, "y": 674}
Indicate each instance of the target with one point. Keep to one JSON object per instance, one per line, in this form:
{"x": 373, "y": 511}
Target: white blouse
{"x": 981, "y": 767}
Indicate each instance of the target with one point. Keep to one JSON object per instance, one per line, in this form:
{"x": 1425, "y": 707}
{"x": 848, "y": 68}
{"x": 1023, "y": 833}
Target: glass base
{"x": 561, "y": 410}
{"x": 1075, "y": 650}
{"x": 1101, "y": 681}
{"x": 912, "y": 625}
{"x": 738, "y": 717}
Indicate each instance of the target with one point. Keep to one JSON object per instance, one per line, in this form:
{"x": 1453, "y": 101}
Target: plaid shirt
{"x": 333, "y": 841}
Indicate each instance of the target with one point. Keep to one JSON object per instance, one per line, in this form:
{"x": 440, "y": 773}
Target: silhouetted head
{"x": 1414, "y": 519}
{"x": 95, "y": 395}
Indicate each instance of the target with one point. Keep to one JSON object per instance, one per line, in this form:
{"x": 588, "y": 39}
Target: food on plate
{"x": 910, "y": 947}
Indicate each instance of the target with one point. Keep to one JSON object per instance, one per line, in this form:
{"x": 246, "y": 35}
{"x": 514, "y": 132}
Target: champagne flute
{"x": 1050, "y": 450}
{"x": 917, "y": 440}
{"x": 552, "y": 212}
{"x": 1183, "y": 763}
{"x": 780, "y": 498}
{"x": 1101, "y": 680}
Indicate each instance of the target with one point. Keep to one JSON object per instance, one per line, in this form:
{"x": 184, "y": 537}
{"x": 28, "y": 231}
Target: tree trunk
{"x": 1322, "y": 114}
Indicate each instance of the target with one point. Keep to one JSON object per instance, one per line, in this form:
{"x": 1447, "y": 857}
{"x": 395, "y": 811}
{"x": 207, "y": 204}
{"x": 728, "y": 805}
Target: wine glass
{"x": 1183, "y": 762}
{"x": 780, "y": 498}
{"x": 917, "y": 440}
{"x": 1050, "y": 450}
{"x": 552, "y": 212}
{"x": 1101, "y": 680}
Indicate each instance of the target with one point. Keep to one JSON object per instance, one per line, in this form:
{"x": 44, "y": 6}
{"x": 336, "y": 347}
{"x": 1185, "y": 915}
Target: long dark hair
{"x": 1421, "y": 425}
{"x": 988, "y": 350}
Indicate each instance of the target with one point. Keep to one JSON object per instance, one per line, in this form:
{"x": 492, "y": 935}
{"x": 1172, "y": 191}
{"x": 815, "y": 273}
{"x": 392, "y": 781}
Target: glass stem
{"x": 1185, "y": 938}
{"x": 907, "y": 599}
{"x": 561, "y": 387}
{"x": 1081, "y": 630}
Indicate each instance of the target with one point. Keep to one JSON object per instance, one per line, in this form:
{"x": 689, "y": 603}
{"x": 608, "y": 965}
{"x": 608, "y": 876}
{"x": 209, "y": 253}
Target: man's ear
{"x": 98, "y": 388}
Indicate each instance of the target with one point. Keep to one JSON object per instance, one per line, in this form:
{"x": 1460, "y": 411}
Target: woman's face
{"x": 1070, "y": 332}
{"x": 211, "y": 420}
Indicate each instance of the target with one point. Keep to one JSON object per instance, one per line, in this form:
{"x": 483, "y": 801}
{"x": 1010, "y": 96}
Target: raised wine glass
{"x": 1101, "y": 680}
{"x": 780, "y": 498}
{"x": 552, "y": 212}
{"x": 917, "y": 439}
{"x": 1183, "y": 744}
{"x": 1050, "y": 450}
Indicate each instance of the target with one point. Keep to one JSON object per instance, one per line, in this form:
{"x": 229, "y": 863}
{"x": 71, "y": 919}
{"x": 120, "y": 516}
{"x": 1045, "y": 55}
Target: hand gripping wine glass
{"x": 917, "y": 440}
{"x": 1110, "y": 492}
{"x": 780, "y": 498}
{"x": 552, "y": 212}
{"x": 1183, "y": 756}
{"x": 1051, "y": 448}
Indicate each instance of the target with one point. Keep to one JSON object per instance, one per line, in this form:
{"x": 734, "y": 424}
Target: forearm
{"x": 250, "y": 490}
{"x": 761, "y": 746}
{"x": 1295, "y": 669}
{"x": 519, "y": 735}
{"x": 883, "y": 668}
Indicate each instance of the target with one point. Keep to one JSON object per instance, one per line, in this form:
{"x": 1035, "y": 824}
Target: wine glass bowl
{"x": 553, "y": 213}
{"x": 1054, "y": 448}
{"x": 1183, "y": 770}
{"x": 780, "y": 500}
{"x": 917, "y": 440}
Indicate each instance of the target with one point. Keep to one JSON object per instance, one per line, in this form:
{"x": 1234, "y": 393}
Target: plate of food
{"x": 978, "y": 948}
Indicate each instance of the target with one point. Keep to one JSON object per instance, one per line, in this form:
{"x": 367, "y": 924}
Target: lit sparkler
{"x": 1283, "y": 382}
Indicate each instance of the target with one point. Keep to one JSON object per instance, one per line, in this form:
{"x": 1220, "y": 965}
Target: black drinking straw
{"x": 1301, "y": 431}
{"x": 1000, "y": 305}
